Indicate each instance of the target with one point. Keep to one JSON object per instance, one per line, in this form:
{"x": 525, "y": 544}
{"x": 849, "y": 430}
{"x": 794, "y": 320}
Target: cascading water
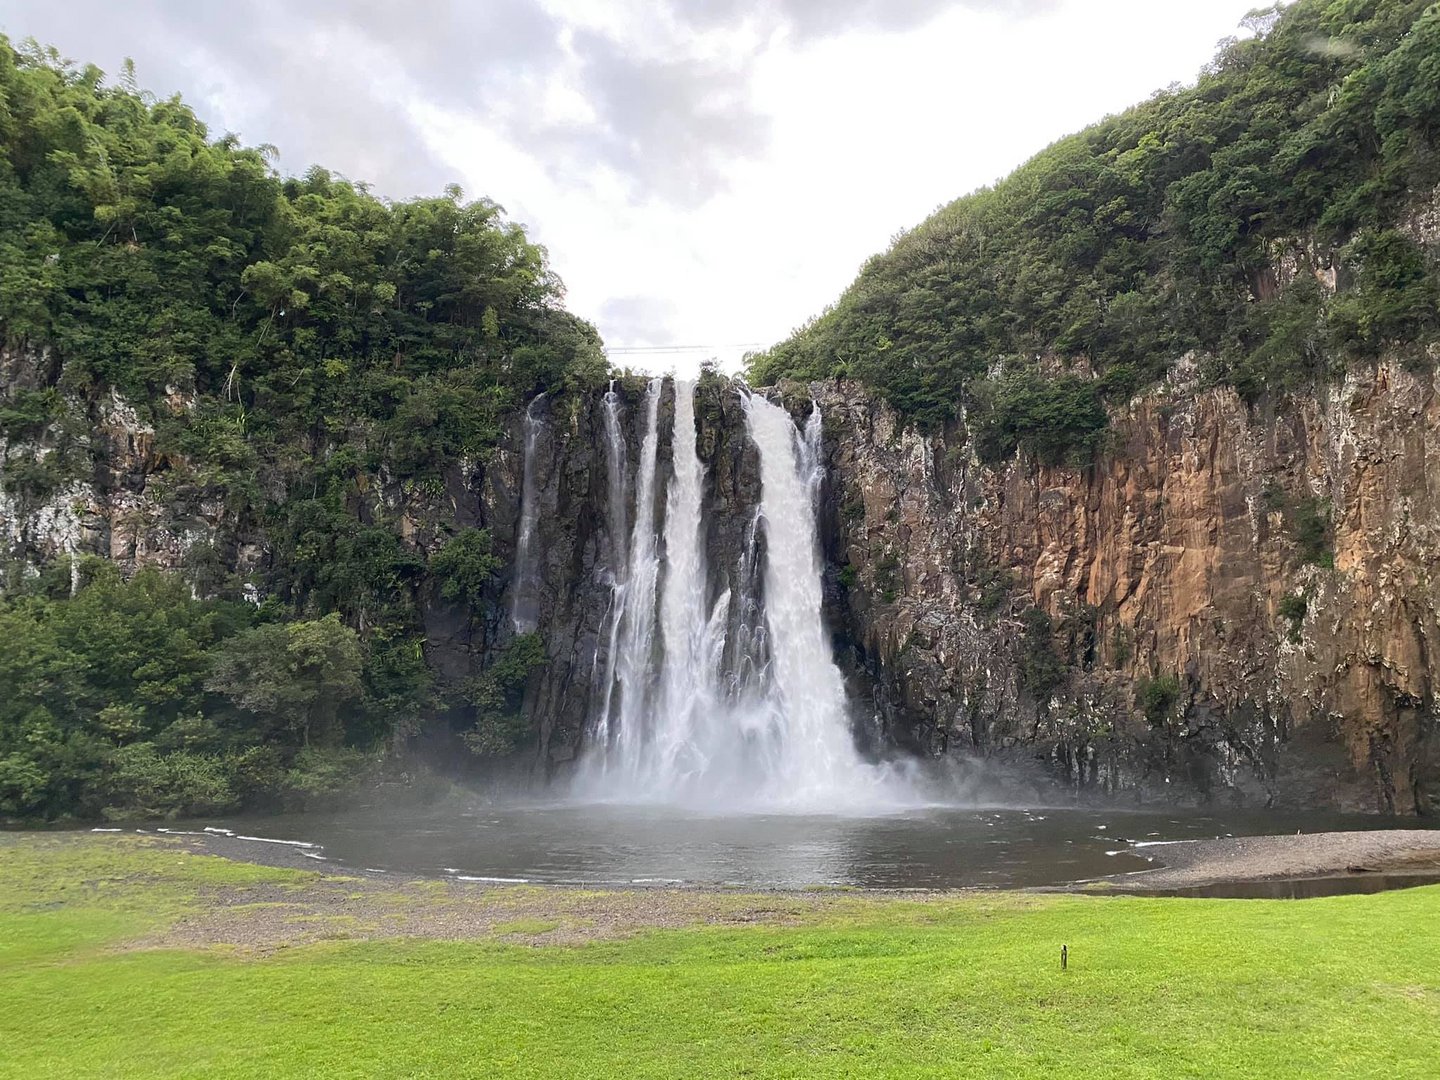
{"x": 753, "y": 719}
{"x": 746, "y": 655}
{"x": 813, "y": 759}
{"x": 689, "y": 632}
{"x": 525, "y": 604}
{"x": 617, "y": 563}
{"x": 615, "y": 480}
{"x": 810, "y": 461}
{"x": 621, "y": 729}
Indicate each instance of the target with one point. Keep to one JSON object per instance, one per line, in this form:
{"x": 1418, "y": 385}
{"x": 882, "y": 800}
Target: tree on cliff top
{"x": 154, "y": 259}
{"x": 1203, "y": 220}
{"x": 297, "y": 344}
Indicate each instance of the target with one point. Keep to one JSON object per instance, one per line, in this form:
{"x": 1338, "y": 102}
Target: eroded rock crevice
{"x": 1230, "y": 603}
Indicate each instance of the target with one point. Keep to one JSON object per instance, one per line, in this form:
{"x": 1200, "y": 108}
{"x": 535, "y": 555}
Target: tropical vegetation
{"x": 1266, "y": 222}
{"x": 296, "y": 344}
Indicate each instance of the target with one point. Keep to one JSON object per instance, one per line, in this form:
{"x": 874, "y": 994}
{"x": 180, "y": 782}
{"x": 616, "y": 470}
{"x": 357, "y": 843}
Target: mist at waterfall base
{"x": 718, "y": 691}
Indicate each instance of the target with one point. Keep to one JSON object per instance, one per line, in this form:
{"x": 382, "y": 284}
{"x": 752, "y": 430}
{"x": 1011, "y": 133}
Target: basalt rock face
{"x": 1232, "y": 603}
{"x": 580, "y": 559}
{"x": 93, "y": 483}
{"x": 107, "y": 491}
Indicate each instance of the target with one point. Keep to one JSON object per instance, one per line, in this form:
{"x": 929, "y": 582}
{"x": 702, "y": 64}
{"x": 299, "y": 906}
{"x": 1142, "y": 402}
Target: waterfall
{"x": 699, "y": 703}
{"x": 747, "y": 656}
{"x": 810, "y": 460}
{"x": 615, "y": 481}
{"x": 813, "y": 753}
{"x": 688, "y": 631}
{"x": 525, "y": 604}
{"x": 621, "y": 732}
{"x": 617, "y": 563}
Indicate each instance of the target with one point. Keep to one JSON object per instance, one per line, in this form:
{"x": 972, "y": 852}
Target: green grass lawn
{"x": 961, "y": 986}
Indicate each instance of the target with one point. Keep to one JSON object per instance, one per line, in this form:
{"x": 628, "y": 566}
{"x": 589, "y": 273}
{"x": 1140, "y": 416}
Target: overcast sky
{"x": 703, "y": 172}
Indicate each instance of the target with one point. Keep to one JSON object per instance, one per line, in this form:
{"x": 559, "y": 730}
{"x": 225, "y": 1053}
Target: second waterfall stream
{"x": 728, "y": 701}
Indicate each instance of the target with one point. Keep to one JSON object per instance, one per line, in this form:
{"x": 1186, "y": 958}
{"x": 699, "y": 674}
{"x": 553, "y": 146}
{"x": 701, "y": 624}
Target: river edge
{"x": 1239, "y": 860}
{"x": 1180, "y": 865}
{"x": 274, "y": 908}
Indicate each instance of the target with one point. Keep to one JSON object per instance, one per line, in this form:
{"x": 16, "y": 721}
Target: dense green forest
{"x": 1256, "y": 220}
{"x": 291, "y": 340}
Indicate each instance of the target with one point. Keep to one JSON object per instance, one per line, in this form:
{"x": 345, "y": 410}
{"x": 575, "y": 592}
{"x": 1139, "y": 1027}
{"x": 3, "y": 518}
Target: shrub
{"x": 139, "y": 781}
{"x": 500, "y": 727}
{"x": 1041, "y": 669}
{"x": 29, "y": 412}
{"x": 1294, "y": 608}
{"x": 1060, "y": 419}
{"x": 1309, "y": 521}
{"x": 324, "y": 772}
{"x": 1157, "y": 698}
{"x": 464, "y": 566}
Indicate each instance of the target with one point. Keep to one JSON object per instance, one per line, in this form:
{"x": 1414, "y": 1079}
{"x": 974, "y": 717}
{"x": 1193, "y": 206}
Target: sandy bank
{"x": 1192, "y": 863}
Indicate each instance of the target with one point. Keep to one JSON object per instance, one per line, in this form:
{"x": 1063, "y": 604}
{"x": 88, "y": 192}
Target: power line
{"x": 683, "y": 348}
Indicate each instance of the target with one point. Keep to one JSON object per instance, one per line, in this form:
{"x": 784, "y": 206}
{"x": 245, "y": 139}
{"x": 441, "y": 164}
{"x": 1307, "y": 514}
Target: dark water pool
{"x": 603, "y": 844}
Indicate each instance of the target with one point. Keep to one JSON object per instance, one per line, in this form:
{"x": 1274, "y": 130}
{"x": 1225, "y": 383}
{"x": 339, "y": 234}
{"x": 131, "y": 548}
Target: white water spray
{"x": 615, "y": 480}
{"x": 814, "y": 757}
{"x": 617, "y": 564}
{"x": 689, "y": 631}
{"x": 758, "y": 720}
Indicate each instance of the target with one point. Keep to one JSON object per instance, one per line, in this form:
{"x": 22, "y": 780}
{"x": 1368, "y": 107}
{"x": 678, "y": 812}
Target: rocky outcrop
{"x": 1232, "y": 603}
{"x": 91, "y": 482}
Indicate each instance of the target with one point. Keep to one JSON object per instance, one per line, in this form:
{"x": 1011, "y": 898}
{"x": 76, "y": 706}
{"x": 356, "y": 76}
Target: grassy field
{"x": 96, "y": 981}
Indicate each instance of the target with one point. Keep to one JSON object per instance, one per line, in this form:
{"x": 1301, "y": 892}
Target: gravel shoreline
{"x": 1180, "y": 864}
{"x": 1197, "y": 863}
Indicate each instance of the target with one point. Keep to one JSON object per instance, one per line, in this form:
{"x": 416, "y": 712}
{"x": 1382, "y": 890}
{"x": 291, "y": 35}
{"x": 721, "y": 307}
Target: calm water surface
{"x": 608, "y": 844}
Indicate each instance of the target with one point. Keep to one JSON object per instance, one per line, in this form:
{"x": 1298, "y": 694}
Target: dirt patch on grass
{"x": 266, "y": 918}
{"x": 373, "y": 905}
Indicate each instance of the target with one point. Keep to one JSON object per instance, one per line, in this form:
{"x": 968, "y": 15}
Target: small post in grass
{"x": 1064, "y": 956}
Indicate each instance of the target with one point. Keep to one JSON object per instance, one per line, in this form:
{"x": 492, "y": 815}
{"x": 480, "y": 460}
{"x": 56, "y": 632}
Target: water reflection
{"x": 602, "y": 844}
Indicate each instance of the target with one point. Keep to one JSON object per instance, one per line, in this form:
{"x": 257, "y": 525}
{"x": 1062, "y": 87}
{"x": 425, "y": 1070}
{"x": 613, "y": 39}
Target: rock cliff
{"x": 1233, "y": 602}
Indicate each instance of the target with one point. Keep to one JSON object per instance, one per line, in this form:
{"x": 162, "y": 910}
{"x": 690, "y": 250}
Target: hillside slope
{"x": 258, "y": 388}
{"x": 1274, "y": 221}
{"x": 1148, "y": 498}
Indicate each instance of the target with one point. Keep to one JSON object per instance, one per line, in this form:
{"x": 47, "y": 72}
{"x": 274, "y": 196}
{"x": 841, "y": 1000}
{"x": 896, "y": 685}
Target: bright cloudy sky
{"x": 704, "y": 173}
